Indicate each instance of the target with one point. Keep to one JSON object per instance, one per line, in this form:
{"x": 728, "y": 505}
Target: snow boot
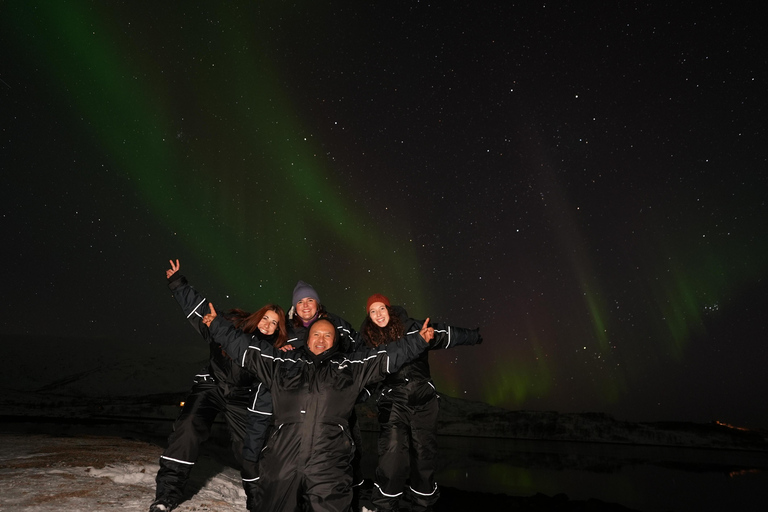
{"x": 161, "y": 506}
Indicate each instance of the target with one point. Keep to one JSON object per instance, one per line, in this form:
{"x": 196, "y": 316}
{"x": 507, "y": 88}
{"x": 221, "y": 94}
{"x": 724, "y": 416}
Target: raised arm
{"x": 447, "y": 336}
{"x": 196, "y": 307}
{"x": 389, "y": 358}
{"x": 253, "y": 354}
{"x": 192, "y": 303}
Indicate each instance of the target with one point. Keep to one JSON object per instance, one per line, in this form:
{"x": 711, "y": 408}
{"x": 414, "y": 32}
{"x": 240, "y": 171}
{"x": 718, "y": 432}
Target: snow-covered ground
{"x": 43, "y": 473}
{"x": 39, "y": 473}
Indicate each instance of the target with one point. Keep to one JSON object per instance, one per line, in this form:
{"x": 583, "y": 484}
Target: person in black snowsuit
{"x": 306, "y": 462}
{"x": 305, "y": 309}
{"x": 408, "y": 406}
{"x": 222, "y": 387}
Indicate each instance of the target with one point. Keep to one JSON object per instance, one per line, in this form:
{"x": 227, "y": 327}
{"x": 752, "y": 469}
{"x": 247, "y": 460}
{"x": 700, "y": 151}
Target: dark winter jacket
{"x": 412, "y": 384}
{"x": 347, "y": 340}
{"x": 346, "y": 337}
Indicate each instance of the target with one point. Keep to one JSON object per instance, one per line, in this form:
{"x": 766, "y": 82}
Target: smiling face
{"x": 322, "y": 335}
{"x": 268, "y": 323}
{"x": 306, "y": 308}
{"x": 379, "y": 314}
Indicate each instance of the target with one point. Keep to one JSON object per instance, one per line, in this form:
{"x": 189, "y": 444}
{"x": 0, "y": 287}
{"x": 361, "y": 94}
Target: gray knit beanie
{"x": 302, "y": 291}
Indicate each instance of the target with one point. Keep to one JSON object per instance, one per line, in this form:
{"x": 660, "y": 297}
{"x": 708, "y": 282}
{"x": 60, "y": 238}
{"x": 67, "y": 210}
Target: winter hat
{"x": 376, "y": 297}
{"x": 302, "y": 291}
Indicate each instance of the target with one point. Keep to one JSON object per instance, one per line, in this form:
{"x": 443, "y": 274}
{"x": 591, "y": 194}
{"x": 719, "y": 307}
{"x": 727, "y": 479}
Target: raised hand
{"x": 427, "y": 332}
{"x": 207, "y": 319}
{"x": 174, "y": 268}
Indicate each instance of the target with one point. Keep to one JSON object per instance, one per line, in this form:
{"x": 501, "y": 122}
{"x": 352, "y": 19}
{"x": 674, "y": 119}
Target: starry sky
{"x": 586, "y": 185}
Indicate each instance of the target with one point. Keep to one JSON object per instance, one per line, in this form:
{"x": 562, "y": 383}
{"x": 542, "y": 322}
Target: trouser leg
{"x": 236, "y": 418}
{"x": 357, "y": 460}
{"x": 279, "y": 479}
{"x": 392, "y": 469}
{"x": 328, "y": 484}
{"x": 423, "y": 489}
{"x": 170, "y": 480}
{"x": 192, "y": 427}
{"x": 250, "y": 430}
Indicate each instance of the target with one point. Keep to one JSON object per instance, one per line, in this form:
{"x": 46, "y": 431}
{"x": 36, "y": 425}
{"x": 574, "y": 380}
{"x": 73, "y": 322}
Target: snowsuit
{"x": 349, "y": 341}
{"x": 223, "y": 386}
{"x": 306, "y": 462}
{"x": 408, "y": 407}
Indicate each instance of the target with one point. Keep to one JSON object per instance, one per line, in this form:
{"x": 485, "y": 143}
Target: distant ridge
{"x": 90, "y": 379}
{"x": 459, "y": 417}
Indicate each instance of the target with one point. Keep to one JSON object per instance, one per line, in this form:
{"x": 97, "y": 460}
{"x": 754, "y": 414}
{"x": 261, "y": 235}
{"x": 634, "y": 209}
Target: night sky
{"x": 586, "y": 184}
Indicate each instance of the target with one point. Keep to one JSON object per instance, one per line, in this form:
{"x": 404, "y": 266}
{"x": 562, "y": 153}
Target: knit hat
{"x": 376, "y": 297}
{"x": 302, "y": 291}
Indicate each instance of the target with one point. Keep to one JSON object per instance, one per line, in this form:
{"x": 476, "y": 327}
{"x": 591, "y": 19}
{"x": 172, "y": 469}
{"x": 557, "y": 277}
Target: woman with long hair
{"x": 222, "y": 387}
{"x": 408, "y": 405}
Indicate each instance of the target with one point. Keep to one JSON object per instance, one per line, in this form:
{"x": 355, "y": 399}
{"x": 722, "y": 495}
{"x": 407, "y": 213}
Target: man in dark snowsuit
{"x": 305, "y": 309}
{"x": 223, "y": 386}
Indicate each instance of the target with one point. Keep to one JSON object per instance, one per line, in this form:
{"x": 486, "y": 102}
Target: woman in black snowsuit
{"x": 222, "y": 387}
{"x": 306, "y": 462}
{"x": 408, "y": 406}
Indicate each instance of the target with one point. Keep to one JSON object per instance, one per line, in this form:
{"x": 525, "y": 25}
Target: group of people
{"x": 295, "y": 379}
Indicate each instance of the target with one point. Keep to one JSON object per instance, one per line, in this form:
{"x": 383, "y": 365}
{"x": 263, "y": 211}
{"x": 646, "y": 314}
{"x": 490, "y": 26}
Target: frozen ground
{"x": 42, "y": 473}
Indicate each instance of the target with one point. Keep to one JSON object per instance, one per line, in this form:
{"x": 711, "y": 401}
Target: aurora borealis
{"x": 587, "y": 186}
